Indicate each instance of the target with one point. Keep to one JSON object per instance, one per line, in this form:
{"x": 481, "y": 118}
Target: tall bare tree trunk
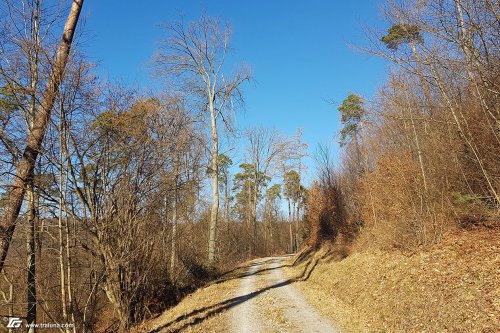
{"x": 32, "y": 196}
{"x": 70, "y": 304}
{"x": 68, "y": 272}
{"x": 364, "y": 150}
{"x": 417, "y": 140}
{"x": 295, "y": 214}
{"x": 254, "y": 214}
{"x": 290, "y": 226}
{"x": 62, "y": 269}
{"x": 297, "y": 208}
{"x": 359, "y": 158}
{"x": 24, "y": 171}
{"x": 226, "y": 203}
{"x": 410, "y": 113}
{"x": 31, "y": 250}
{"x": 173, "y": 253}
{"x": 423, "y": 82}
{"x": 215, "y": 186}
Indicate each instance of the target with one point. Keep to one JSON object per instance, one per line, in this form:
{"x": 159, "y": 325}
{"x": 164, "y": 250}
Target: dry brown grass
{"x": 449, "y": 287}
{"x": 201, "y": 311}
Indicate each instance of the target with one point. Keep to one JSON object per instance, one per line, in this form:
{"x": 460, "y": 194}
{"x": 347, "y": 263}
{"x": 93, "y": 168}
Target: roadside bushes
{"x": 325, "y": 213}
{"x": 318, "y": 215}
{"x": 396, "y": 212}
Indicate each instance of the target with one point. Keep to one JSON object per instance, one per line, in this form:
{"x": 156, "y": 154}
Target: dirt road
{"x": 273, "y": 304}
{"x": 257, "y": 297}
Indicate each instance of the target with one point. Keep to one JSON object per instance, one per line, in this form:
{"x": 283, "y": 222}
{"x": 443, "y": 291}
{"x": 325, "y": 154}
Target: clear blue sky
{"x": 299, "y": 52}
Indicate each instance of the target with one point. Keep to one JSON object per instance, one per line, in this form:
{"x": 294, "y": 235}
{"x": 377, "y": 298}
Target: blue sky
{"x": 299, "y": 51}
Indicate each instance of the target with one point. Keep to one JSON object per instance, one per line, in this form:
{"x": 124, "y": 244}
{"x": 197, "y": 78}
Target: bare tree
{"x": 266, "y": 149}
{"x": 25, "y": 167}
{"x": 195, "y": 54}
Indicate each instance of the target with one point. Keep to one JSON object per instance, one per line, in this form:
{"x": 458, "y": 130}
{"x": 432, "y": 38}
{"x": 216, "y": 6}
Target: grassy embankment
{"x": 453, "y": 286}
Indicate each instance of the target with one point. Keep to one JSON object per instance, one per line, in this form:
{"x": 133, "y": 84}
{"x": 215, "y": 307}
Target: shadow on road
{"x": 192, "y": 318}
{"x": 245, "y": 270}
{"x": 199, "y": 315}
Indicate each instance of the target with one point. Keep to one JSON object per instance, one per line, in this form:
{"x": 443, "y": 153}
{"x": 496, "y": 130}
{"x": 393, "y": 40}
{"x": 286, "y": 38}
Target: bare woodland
{"x": 114, "y": 204}
{"x": 422, "y": 157}
{"x": 118, "y": 222}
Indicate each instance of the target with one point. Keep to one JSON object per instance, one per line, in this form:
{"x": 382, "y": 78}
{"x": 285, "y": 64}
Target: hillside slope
{"x": 449, "y": 287}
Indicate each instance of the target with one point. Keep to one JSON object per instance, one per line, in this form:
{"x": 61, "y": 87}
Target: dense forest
{"x": 116, "y": 203}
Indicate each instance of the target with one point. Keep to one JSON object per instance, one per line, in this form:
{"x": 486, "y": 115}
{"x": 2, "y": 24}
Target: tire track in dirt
{"x": 244, "y": 316}
{"x": 270, "y": 303}
{"x": 301, "y": 316}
